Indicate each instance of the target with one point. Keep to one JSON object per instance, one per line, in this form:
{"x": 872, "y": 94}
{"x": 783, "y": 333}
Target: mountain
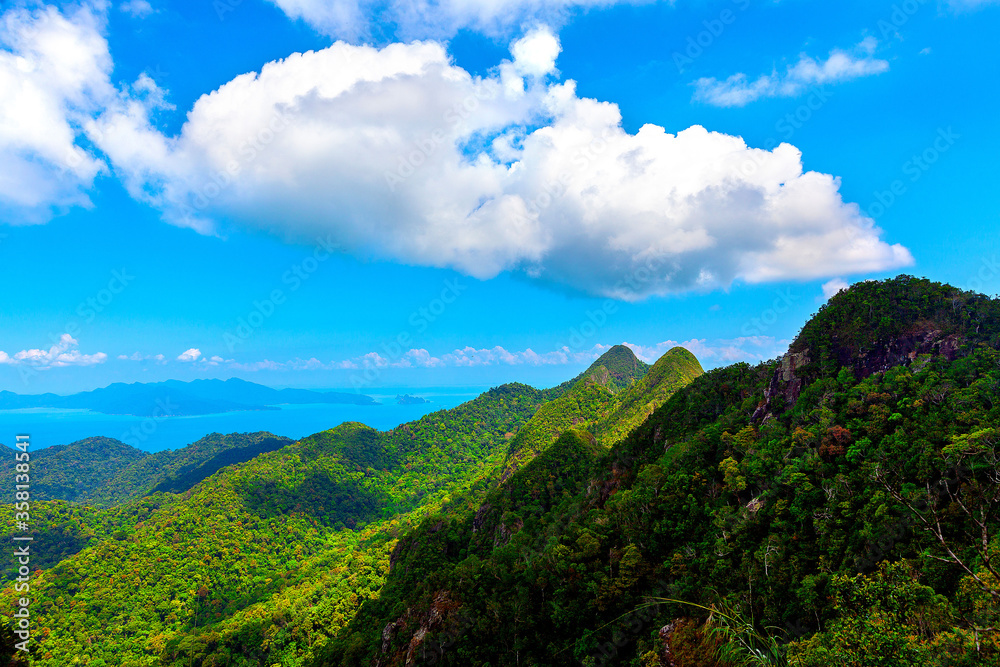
{"x": 242, "y": 391}
{"x": 674, "y": 370}
{"x": 73, "y": 472}
{"x": 616, "y": 369}
{"x": 837, "y": 506}
{"x": 315, "y": 520}
{"x": 608, "y": 402}
{"x": 104, "y": 471}
{"x": 303, "y": 532}
{"x": 72, "y": 483}
{"x": 176, "y": 398}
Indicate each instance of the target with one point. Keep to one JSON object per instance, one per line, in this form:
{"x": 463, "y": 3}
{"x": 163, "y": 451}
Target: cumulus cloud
{"x": 833, "y": 286}
{"x": 397, "y": 153}
{"x": 721, "y": 351}
{"x": 710, "y": 352}
{"x": 738, "y": 90}
{"x": 55, "y": 76}
{"x": 535, "y": 54}
{"x": 192, "y": 356}
{"x": 420, "y": 19}
{"x": 63, "y": 353}
{"x": 189, "y": 355}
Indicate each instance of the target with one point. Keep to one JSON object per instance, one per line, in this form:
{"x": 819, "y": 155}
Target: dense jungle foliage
{"x": 838, "y": 506}
{"x": 104, "y": 471}
{"x": 264, "y": 561}
{"x": 758, "y": 517}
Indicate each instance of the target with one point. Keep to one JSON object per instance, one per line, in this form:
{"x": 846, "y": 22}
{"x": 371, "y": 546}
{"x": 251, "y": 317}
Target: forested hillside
{"x": 263, "y": 562}
{"x": 104, "y": 471}
{"x": 839, "y": 506}
{"x": 616, "y": 369}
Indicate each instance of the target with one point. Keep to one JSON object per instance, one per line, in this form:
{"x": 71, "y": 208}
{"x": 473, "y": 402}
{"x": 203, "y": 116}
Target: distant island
{"x": 174, "y": 398}
{"x": 406, "y": 399}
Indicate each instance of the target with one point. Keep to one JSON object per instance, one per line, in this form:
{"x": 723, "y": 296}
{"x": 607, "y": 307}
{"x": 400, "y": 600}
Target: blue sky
{"x": 498, "y": 201}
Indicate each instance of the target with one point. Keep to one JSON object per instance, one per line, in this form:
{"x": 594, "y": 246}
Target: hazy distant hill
{"x": 104, "y": 471}
{"x": 176, "y": 398}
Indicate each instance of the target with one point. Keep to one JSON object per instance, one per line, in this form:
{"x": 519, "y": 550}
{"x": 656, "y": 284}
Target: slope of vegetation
{"x": 182, "y": 577}
{"x": 757, "y": 517}
{"x": 72, "y": 472}
{"x": 264, "y": 562}
{"x": 607, "y": 403}
{"x": 104, "y": 471}
{"x": 674, "y": 370}
{"x": 838, "y": 506}
{"x": 616, "y": 369}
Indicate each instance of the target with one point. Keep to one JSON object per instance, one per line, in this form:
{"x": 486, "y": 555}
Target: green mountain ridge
{"x": 762, "y": 515}
{"x": 609, "y": 403}
{"x": 304, "y": 518}
{"x": 339, "y": 499}
{"x": 836, "y": 506}
{"x": 104, "y": 471}
{"x": 615, "y": 369}
{"x": 674, "y": 370}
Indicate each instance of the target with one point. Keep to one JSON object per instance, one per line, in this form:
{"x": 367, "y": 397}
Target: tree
{"x": 972, "y": 489}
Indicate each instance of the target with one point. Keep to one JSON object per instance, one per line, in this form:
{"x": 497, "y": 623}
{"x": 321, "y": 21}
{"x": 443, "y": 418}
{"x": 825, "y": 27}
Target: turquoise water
{"x": 59, "y": 427}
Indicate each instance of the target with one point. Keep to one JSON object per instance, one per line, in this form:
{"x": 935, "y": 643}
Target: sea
{"x": 48, "y": 426}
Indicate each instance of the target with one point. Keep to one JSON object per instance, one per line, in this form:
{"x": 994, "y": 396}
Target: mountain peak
{"x": 616, "y": 369}
{"x": 876, "y": 325}
{"x": 617, "y": 355}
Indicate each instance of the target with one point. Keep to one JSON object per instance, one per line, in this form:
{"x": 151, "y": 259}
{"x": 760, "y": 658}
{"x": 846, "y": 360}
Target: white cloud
{"x": 499, "y": 356}
{"x": 721, "y": 351}
{"x": 137, "y": 8}
{"x": 420, "y": 358}
{"x": 840, "y": 66}
{"x": 55, "y": 75}
{"x": 710, "y": 352}
{"x": 369, "y": 20}
{"x": 397, "y": 153}
{"x": 139, "y": 356}
{"x": 307, "y": 364}
{"x": 535, "y": 54}
{"x": 832, "y": 287}
{"x": 61, "y": 354}
{"x": 265, "y": 365}
{"x": 193, "y": 355}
